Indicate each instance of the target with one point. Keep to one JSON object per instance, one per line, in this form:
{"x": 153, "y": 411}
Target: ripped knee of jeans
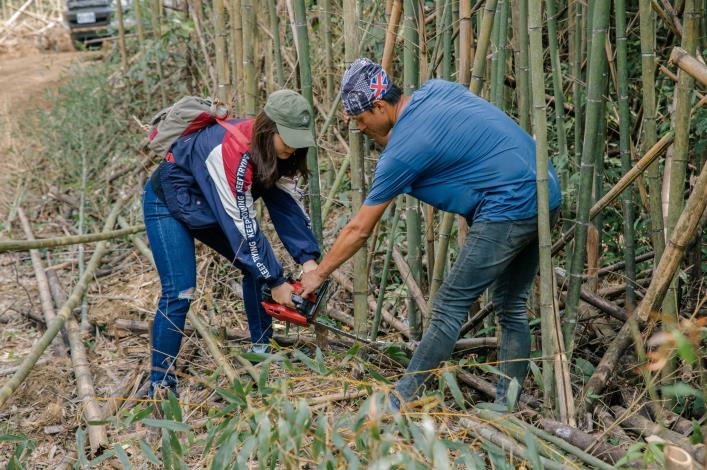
{"x": 187, "y": 294}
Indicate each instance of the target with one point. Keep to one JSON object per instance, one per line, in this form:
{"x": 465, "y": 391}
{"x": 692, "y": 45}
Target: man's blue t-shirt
{"x": 459, "y": 153}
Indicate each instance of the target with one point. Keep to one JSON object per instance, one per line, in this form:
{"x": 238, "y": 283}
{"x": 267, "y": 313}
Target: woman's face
{"x": 283, "y": 150}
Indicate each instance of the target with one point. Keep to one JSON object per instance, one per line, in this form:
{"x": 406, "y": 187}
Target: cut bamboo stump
{"x": 677, "y": 458}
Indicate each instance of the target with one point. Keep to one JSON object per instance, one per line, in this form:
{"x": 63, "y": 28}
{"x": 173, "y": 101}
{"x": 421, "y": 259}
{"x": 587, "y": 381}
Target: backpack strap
{"x": 235, "y": 132}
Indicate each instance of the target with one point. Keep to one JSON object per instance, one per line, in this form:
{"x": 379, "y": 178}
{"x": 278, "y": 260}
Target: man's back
{"x": 461, "y": 154}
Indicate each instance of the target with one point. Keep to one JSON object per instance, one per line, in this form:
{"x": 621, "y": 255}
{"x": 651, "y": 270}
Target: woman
{"x": 205, "y": 189}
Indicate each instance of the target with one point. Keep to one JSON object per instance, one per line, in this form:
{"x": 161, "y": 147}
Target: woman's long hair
{"x": 268, "y": 167}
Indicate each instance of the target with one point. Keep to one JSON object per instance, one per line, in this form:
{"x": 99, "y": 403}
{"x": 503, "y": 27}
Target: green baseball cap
{"x": 293, "y": 117}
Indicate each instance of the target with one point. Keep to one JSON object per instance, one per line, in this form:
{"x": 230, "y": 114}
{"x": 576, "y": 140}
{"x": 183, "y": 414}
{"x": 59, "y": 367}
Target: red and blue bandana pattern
{"x": 364, "y": 82}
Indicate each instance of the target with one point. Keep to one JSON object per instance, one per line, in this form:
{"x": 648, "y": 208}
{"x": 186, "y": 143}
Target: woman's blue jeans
{"x": 503, "y": 254}
{"x": 172, "y": 245}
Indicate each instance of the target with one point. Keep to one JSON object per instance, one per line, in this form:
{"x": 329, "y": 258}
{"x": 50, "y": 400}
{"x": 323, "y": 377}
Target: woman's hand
{"x": 308, "y": 266}
{"x": 282, "y": 294}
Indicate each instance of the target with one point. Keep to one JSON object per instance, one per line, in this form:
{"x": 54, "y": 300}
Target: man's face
{"x": 375, "y": 123}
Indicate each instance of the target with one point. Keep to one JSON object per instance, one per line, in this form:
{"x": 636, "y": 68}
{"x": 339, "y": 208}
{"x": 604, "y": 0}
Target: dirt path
{"x": 25, "y": 78}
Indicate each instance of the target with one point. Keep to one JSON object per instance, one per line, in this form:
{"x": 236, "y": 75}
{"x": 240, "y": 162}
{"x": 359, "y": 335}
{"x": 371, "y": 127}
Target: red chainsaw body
{"x": 288, "y": 314}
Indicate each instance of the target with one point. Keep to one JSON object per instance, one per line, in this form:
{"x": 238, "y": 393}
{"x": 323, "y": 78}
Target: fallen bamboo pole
{"x": 410, "y": 282}
{"x": 622, "y": 264}
{"x": 499, "y": 438}
{"x": 476, "y": 319}
{"x": 675, "y": 248}
{"x": 581, "y": 440}
{"x": 681, "y": 237}
{"x": 53, "y": 329}
{"x": 625, "y": 181}
{"x": 689, "y": 64}
{"x": 45, "y": 296}
{"x": 24, "y": 245}
{"x": 596, "y": 301}
{"x": 86, "y": 391}
{"x": 634, "y": 422}
{"x": 216, "y": 353}
{"x": 586, "y": 457}
{"x": 347, "y": 395}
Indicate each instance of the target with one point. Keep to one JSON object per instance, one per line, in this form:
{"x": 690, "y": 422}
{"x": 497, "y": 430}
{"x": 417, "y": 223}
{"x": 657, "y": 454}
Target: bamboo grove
{"x": 614, "y": 95}
{"x": 571, "y": 81}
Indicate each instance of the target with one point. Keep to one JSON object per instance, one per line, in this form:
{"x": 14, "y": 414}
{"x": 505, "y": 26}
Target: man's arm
{"x": 351, "y": 238}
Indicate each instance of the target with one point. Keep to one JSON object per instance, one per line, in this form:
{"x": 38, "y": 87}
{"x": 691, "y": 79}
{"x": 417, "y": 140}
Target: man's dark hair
{"x": 269, "y": 168}
{"x": 392, "y": 94}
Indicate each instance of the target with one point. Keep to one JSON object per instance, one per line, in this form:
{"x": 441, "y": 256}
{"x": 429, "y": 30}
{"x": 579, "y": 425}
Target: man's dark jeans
{"x": 504, "y": 254}
{"x": 172, "y": 245}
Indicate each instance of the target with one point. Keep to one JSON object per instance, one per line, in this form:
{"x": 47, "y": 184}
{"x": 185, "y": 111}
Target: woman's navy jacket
{"x": 208, "y": 182}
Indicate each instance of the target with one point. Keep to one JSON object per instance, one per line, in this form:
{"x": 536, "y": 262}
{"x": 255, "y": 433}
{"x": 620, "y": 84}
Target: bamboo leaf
{"x": 147, "y": 451}
{"x": 122, "y": 456}
{"x": 166, "y": 424}
{"x": 533, "y": 456}
{"x": 453, "y": 386}
{"x": 686, "y": 350}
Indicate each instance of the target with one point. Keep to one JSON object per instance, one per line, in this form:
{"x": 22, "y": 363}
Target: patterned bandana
{"x": 364, "y": 82}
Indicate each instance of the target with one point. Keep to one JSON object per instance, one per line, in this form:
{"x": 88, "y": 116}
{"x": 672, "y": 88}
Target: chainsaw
{"x": 306, "y": 309}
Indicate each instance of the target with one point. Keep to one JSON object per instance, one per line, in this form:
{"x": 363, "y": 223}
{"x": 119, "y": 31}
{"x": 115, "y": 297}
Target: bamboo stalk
{"x": 384, "y": 275}
{"x": 305, "y": 69}
{"x": 680, "y": 157}
{"x": 250, "y": 80}
{"x": 499, "y": 58}
{"x": 411, "y": 283}
{"x": 86, "y": 390}
{"x": 551, "y": 333}
{"x": 520, "y": 427}
{"x": 215, "y": 350}
{"x": 519, "y": 16}
{"x": 360, "y": 268}
{"x": 581, "y": 440}
{"x": 55, "y": 326}
{"x": 487, "y": 433}
{"x": 157, "y": 36}
{"x": 121, "y": 36}
{"x": 642, "y": 165}
{"x": 45, "y": 296}
{"x": 625, "y": 149}
{"x": 465, "y": 43}
{"x": 390, "y": 34}
{"x": 221, "y": 90}
{"x": 562, "y": 157}
{"x": 325, "y": 21}
{"x": 236, "y": 51}
{"x": 681, "y": 236}
{"x": 634, "y": 422}
{"x": 389, "y": 318}
{"x": 137, "y": 5}
{"x": 689, "y": 64}
{"x": 24, "y": 245}
{"x": 647, "y": 31}
{"x": 597, "y": 66}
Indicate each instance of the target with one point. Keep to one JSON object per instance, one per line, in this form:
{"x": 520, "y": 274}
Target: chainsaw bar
{"x": 346, "y": 334}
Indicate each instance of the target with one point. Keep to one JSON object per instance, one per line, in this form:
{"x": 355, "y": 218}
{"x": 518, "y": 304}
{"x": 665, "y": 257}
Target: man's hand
{"x": 282, "y": 294}
{"x": 308, "y": 266}
{"x": 311, "y": 280}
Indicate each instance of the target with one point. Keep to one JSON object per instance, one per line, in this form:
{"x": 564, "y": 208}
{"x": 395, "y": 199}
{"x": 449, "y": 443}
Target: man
{"x": 453, "y": 150}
